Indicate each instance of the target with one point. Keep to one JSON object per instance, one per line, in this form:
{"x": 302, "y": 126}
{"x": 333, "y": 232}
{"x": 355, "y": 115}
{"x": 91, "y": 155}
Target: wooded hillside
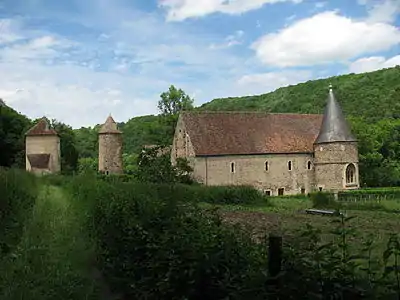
{"x": 373, "y": 96}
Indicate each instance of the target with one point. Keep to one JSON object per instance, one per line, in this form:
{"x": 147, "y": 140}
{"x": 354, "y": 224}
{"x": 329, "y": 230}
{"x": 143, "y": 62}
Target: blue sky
{"x": 77, "y": 61}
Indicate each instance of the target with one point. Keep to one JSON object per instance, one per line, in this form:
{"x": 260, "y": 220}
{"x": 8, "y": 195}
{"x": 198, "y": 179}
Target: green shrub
{"x": 18, "y": 192}
{"x": 228, "y": 195}
{"x": 324, "y": 200}
{"x": 55, "y": 179}
{"x": 154, "y": 244}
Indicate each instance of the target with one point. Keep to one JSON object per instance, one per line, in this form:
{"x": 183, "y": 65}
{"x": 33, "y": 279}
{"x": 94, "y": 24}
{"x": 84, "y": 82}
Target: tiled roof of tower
{"x": 41, "y": 128}
{"x": 228, "y": 133}
{"x": 39, "y": 161}
{"x": 110, "y": 126}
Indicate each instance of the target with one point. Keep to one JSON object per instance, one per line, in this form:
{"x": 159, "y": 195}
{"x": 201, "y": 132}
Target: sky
{"x": 79, "y": 60}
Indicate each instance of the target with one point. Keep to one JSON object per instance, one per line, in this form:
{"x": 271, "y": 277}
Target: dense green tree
{"x": 87, "y": 143}
{"x": 87, "y": 165}
{"x": 170, "y": 105}
{"x": 154, "y": 165}
{"x": 69, "y": 152}
{"x": 12, "y": 137}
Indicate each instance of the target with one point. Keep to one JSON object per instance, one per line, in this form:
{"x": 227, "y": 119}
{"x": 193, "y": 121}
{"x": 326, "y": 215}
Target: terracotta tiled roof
{"x": 110, "y": 126}
{"x": 227, "y": 133}
{"x": 39, "y": 161}
{"x": 41, "y": 128}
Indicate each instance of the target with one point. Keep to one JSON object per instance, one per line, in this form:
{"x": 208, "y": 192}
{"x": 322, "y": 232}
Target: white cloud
{"x": 382, "y": 10}
{"x": 324, "y": 38}
{"x": 230, "y": 40}
{"x": 9, "y": 31}
{"x": 373, "y": 63}
{"x": 179, "y": 10}
{"x": 121, "y": 69}
{"x": 266, "y": 82}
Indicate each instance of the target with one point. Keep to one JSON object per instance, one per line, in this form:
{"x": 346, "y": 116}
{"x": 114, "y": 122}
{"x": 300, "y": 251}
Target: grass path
{"x": 53, "y": 258}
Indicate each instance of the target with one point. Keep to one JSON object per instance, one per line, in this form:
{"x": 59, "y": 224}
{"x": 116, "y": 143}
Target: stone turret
{"x": 335, "y": 150}
{"x": 110, "y": 148}
{"x": 42, "y": 148}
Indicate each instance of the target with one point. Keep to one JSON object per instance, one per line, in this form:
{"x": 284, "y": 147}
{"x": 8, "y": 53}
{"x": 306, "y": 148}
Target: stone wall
{"x": 251, "y": 170}
{"x": 110, "y": 153}
{"x": 43, "y": 144}
{"x": 331, "y": 161}
{"x": 181, "y": 146}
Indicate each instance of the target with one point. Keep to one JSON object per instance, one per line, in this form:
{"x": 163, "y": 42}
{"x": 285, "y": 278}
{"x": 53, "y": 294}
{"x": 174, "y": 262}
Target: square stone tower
{"x": 110, "y": 148}
{"x": 42, "y": 148}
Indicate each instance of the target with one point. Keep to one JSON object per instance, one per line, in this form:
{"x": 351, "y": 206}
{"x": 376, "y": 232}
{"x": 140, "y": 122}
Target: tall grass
{"x": 18, "y": 192}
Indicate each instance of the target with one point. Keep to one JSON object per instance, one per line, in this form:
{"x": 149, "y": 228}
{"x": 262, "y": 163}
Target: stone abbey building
{"x": 277, "y": 153}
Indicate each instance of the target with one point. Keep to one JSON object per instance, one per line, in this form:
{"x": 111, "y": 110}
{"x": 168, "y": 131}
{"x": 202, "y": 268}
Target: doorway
{"x": 281, "y": 191}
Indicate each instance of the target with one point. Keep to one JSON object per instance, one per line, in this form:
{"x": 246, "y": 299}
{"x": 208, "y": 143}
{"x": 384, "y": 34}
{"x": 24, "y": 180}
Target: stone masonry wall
{"x": 110, "y": 153}
{"x": 251, "y": 170}
{"x": 331, "y": 161}
{"x": 44, "y": 144}
{"x": 182, "y": 146}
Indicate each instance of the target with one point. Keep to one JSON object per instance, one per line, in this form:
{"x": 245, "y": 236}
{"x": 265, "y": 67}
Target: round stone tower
{"x": 335, "y": 151}
{"x": 110, "y": 148}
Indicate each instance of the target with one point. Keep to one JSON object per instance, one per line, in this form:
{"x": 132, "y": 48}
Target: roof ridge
{"x": 244, "y": 112}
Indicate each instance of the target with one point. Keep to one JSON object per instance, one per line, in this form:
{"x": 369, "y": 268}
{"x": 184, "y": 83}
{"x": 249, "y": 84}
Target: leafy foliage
{"x": 18, "y": 192}
{"x": 12, "y": 137}
{"x": 154, "y": 166}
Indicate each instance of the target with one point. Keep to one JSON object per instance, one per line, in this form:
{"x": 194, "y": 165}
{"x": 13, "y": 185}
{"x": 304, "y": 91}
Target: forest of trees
{"x": 371, "y": 102}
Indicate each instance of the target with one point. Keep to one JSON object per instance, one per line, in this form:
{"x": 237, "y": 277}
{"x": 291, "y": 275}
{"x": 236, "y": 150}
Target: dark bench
{"x": 323, "y": 212}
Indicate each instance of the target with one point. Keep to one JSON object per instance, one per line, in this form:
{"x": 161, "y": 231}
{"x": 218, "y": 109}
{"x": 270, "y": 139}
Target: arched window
{"x": 266, "y": 166}
{"x": 309, "y": 165}
{"x": 232, "y": 167}
{"x": 289, "y": 165}
{"x": 350, "y": 174}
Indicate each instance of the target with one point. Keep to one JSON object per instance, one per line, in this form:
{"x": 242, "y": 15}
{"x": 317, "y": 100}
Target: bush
{"x": 324, "y": 200}
{"x": 154, "y": 244}
{"x": 228, "y": 195}
{"x": 18, "y": 191}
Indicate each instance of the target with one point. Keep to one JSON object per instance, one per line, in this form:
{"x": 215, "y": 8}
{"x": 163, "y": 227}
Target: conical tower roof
{"x": 334, "y": 127}
{"x": 41, "y": 128}
{"x": 110, "y": 126}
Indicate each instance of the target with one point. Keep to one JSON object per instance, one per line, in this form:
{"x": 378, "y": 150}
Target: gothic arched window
{"x": 350, "y": 174}
{"x": 309, "y": 165}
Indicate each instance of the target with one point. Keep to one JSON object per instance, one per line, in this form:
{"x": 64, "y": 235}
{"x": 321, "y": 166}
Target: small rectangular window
{"x": 303, "y": 191}
{"x": 266, "y": 166}
{"x": 268, "y": 192}
{"x": 281, "y": 191}
{"x": 232, "y": 167}
{"x": 290, "y": 165}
